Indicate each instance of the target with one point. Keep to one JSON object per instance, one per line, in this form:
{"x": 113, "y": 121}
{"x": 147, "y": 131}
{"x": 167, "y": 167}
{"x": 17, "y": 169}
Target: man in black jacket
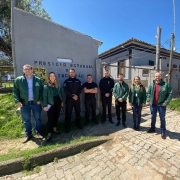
{"x": 72, "y": 89}
{"x": 106, "y": 87}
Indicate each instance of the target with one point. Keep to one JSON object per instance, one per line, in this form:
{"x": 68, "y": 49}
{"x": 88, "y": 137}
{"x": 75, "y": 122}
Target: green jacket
{"x": 121, "y": 91}
{"x": 141, "y": 94}
{"x": 165, "y": 93}
{"x": 21, "y": 89}
{"x": 48, "y": 97}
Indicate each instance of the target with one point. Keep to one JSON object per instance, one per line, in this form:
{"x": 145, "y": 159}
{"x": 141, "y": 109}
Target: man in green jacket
{"x": 120, "y": 92}
{"x": 27, "y": 96}
{"x": 159, "y": 96}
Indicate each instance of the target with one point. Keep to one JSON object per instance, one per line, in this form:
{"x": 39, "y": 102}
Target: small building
{"x": 138, "y": 58}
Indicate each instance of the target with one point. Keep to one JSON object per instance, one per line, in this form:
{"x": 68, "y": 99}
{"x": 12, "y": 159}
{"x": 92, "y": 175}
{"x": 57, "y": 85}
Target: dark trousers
{"x": 53, "y": 114}
{"x": 136, "y": 114}
{"x": 69, "y": 107}
{"x": 107, "y": 101}
{"x": 121, "y": 105}
{"x": 90, "y": 105}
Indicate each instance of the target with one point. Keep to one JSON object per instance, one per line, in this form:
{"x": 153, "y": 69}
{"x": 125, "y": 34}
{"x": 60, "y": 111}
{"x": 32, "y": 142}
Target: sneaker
{"x": 118, "y": 123}
{"x": 39, "y": 136}
{"x": 163, "y": 135}
{"x": 151, "y": 131}
{"x": 27, "y": 138}
{"x": 111, "y": 121}
{"x": 124, "y": 125}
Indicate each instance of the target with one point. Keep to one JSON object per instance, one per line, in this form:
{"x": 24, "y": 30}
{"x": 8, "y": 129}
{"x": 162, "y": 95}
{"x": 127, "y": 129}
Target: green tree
{"x": 32, "y": 6}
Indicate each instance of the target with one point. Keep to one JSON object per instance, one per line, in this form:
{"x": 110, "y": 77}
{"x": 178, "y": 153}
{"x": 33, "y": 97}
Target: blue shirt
{"x": 30, "y": 88}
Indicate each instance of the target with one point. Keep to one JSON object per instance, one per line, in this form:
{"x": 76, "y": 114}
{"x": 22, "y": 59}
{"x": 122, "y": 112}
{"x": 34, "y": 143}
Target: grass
{"x": 16, "y": 153}
{"x": 175, "y": 104}
{"x": 7, "y": 85}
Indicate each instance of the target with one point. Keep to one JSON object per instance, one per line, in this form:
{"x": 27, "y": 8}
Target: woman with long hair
{"x": 137, "y": 99}
{"x": 52, "y": 103}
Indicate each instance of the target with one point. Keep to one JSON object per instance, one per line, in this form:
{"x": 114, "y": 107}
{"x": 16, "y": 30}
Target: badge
{"x": 37, "y": 84}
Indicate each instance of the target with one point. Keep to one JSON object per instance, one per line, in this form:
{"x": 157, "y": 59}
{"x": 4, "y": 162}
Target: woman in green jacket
{"x": 137, "y": 99}
{"x": 52, "y": 103}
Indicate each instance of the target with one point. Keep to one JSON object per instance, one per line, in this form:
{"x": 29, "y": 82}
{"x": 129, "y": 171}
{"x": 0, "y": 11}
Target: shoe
{"x": 163, "y": 135}
{"x": 103, "y": 121}
{"x": 118, "y": 123}
{"x": 67, "y": 129}
{"x": 40, "y": 136}
{"x": 138, "y": 128}
{"x": 79, "y": 126}
{"x": 56, "y": 132}
{"x": 27, "y": 139}
{"x": 86, "y": 123}
{"x": 111, "y": 121}
{"x": 134, "y": 127}
{"x": 151, "y": 131}
{"x": 95, "y": 121}
{"x": 48, "y": 138}
{"x": 124, "y": 125}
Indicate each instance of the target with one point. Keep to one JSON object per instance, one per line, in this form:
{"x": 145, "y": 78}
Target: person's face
{"x": 72, "y": 73}
{"x": 158, "y": 77}
{"x": 52, "y": 77}
{"x": 106, "y": 74}
{"x": 89, "y": 79}
{"x": 137, "y": 80}
{"x": 27, "y": 70}
{"x": 121, "y": 77}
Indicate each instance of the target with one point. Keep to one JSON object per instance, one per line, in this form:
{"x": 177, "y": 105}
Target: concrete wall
{"x": 40, "y": 42}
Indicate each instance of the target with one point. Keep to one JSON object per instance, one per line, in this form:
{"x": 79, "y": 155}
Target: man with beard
{"x": 72, "y": 89}
{"x": 159, "y": 96}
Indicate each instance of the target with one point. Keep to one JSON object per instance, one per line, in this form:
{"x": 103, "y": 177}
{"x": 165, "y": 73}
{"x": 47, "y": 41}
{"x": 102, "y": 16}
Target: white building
{"x": 141, "y": 57}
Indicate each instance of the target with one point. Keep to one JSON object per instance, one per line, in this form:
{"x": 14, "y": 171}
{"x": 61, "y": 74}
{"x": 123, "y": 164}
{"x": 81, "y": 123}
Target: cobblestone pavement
{"x": 129, "y": 155}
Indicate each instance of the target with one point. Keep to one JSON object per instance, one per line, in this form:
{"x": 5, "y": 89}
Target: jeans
{"x": 123, "y": 109}
{"x": 90, "y": 105}
{"x": 162, "y": 111}
{"x": 136, "y": 114}
{"x": 107, "y": 101}
{"x": 26, "y": 116}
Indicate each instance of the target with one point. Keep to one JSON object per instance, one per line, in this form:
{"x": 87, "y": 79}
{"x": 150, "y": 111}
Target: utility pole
{"x": 174, "y": 10}
{"x": 14, "y": 3}
{"x": 171, "y": 58}
{"x": 158, "y": 47}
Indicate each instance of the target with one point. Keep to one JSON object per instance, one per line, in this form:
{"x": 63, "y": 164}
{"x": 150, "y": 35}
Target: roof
{"x": 138, "y": 42}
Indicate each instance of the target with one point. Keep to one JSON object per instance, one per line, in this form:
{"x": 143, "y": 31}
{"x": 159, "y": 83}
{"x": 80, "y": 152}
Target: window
{"x": 145, "y": 72}
{"x": 174, "y": 66}
{"x": 63, "y": 60}
{"x": 151, "y": 63}
{"x": 121, "y": 69}
{"x": 167, "y": 66}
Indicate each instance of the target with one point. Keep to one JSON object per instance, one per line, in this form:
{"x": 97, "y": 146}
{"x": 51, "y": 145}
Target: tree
{"x": 32, "y": 6}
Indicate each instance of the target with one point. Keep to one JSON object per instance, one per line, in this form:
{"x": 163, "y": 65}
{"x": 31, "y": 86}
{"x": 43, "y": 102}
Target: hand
{"x": 75, "y": 97}
{"x": 142, "y": 104}
{"x": 130, "y": 104}
{"x": 107, "y": 94}
{"x": 19, "y": 104}
{"x": 163, "y": 104}
{"x": 148, "y": 103}
{"x": 45, "y": 109}
{"x": 62, "y": 104}
{"x": 38, "y": 102}
{"x": 120, "y": 100}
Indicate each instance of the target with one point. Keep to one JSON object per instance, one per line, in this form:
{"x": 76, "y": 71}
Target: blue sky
{"x": 115, "y": 21}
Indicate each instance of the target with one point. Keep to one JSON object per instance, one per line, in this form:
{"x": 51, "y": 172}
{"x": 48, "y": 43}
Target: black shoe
{"x": 163, "y": 135}
{"x": 86, "y": 123}
{"x": 95, "y": 121}
{"x": 151, "y": 131}
{"x": 138, "y": 128}
{"x": 56, "y": 132}
{"x": 79, "y": 126}
{"x": 118, "y": 123}
{"x": 124, "y": 125}
{"x": 48, "y": 138}
{"x": 103, "y": 121}
{"x": 134, "y": 127}
{"x": 111, "y": 121}
{"x": 27, "y": 139}
{"x": 67, "y": 130}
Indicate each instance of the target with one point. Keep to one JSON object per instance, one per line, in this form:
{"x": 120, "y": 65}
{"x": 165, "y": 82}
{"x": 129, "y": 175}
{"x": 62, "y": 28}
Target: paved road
{"x": 129, "y": 155}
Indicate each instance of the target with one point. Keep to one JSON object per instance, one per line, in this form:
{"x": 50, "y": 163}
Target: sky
{"x": 115, "y": 21}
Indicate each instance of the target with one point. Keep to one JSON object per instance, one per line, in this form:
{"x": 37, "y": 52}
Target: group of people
{"x": 31, "y": 95}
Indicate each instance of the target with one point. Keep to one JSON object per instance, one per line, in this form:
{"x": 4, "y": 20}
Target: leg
{"x": 134, "y": 108}
{"x": 124, "y": 113}
{"x": 117, "y": 105}
{"x": 87, "y": 107}
{"x": 26, "y": 116}
{"x": 68, "y": 113}
{"x": 109, "y": 99}
{"x": 50, "y": 115}
{"x": 104, "y": 109}
{"x": 139, "y": 109}
{"x": 93, "y": 108}
{"x": 57, "y": 104}
{"x": 36, "y": 109}
{"x": 77, "y": 112}
{"x": 153, "y": 109}
{"x": 162, "y": 113}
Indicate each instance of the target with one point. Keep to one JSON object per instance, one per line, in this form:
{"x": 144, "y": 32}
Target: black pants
{"x": 123, "y": 108}
{"x": 107, "y": 101}
{"x": 53, "y": 114}
{"x": 90, "y": 105}
{"x": 69, "y": 107}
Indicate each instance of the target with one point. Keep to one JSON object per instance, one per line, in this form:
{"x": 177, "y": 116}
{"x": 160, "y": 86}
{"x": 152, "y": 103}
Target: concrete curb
{"x": 15, "y": 165}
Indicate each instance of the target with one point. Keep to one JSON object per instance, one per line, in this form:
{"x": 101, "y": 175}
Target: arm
{"x": 115, "y": 92}
{"x": 66, "y": 90}
{"x": 80, "y": 89}
{"x": 144, "y": 95}
{"x": 169, "y": 97}
{"x": 130, "y": 95}
{"x": 101, "y": 87}
{"x": 41, "y": 92}
{"x": 16, "y": 91}
{"x": 124, "y": 97}
{"x": 45, "y": 96}
{"x": 148, "y": 94}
